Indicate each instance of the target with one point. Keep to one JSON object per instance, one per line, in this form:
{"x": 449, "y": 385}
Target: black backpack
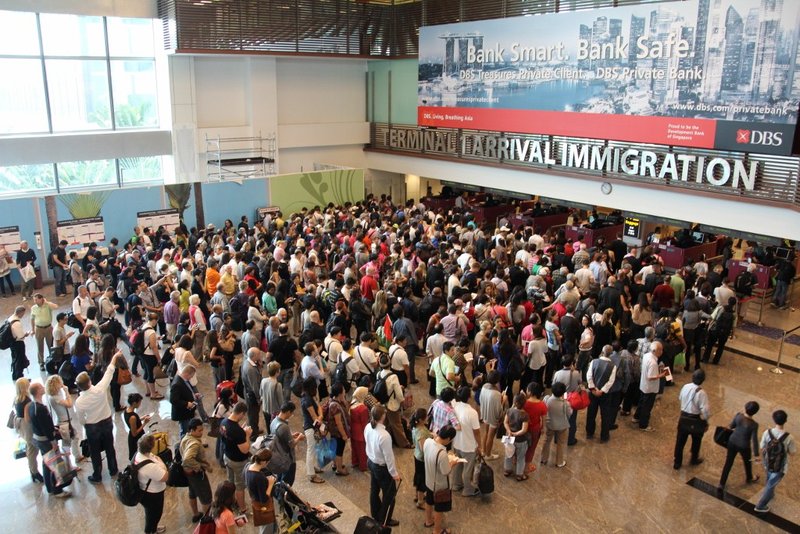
{"x": 742, "y": 284}
{"x": 775, "y": 452}
{"x": 127, "y": 486}
{"x": 6, "y": 336}
{"x": 340, "y": 373}
{"x": 139, "y": 340}
{"x": 485, "y": 478}
{"x": 381, "y": 390}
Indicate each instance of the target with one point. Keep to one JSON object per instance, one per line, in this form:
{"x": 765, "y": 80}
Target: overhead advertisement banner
{"x": 721, "y": 74}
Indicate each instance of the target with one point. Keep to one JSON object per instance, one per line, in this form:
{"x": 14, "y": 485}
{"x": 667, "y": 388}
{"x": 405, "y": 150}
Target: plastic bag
{"x": 680, "y": 360}
{"x": 20, "y": 449}
{"x": 58, "y": 462}
{"x": 326, "y": 451}
{"x": 508, "y": 445}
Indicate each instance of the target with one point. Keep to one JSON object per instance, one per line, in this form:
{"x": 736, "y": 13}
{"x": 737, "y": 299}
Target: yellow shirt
{"x": 42, "y": 315}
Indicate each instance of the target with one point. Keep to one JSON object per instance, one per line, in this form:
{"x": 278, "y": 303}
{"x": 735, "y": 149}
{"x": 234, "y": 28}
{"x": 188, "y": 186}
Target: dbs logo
{"x": 757, "y": 137}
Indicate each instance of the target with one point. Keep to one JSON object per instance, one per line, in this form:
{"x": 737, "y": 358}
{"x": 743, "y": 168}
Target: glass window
{"x": 140, "y": 169}
{"x": 135, "y": 99}
{"x": 78, "y": 94}
{"x": 86, "y": 173}
{"x": 22, "y": 102}
{"x": 130, "y": 37}
{"x": 72, "y": 35}
{"x": 27, "y": 178}
{"x": 18, "y": 34}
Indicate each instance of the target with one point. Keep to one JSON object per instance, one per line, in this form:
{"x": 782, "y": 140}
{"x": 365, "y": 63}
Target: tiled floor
{"x": 627, "y": 485}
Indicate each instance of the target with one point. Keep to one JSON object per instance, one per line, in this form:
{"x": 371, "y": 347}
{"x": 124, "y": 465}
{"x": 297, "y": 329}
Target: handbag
{"x": 177, "y": 476}
{"x": 721, "y": 436}
{"x": 12, "y": 420}
{"x": 158, "y": 373}
{"x": 207, "y": 525}
{"x": 263, "y": 513}
{"x": 28, "y": 273}
{"x": 124, "y": 377}
{"x": 578, "y": 400}
{"x": 214, "y": 423}
{"x": 442, "y": 496}
{"x": 692, "y": 424}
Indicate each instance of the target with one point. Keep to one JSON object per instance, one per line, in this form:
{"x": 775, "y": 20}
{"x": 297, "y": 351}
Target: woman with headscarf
{"x": 359, "y": 419}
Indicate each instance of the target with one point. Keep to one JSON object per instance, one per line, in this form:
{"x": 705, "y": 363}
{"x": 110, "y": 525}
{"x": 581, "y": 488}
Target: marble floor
{"x": 626, "y": 485}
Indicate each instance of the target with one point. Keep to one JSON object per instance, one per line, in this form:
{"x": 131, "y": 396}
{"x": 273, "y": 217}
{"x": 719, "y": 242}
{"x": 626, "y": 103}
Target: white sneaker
{"x": 649, "y": 429}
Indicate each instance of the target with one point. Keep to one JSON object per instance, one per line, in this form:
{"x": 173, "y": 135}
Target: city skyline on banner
{"x": 724, "y": 61}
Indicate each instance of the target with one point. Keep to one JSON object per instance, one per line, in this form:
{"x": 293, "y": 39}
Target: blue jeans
{"x": 285, "y": 378}
{"x": 60, "y": 276}
{"x": 769, "y": 489}
{"x": 781, "y": 289}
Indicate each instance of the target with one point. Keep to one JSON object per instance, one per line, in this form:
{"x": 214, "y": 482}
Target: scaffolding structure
{"x": 237, "y": 158}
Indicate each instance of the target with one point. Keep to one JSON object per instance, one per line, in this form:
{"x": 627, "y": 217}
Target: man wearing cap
{"x": 394, "y": 423}
{"x": 60, "y": 266}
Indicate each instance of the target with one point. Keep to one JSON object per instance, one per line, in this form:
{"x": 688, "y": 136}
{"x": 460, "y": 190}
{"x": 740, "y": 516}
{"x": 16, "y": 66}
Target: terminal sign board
{"x": 170, "y": 219}
{"x": 9, "y": 237}
{"x": 695, "y": 73}
{"x": 632, "y": 228}
{"x": 80, "y": 231}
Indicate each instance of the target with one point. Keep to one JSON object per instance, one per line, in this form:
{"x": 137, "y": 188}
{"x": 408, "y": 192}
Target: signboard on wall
{"x": 80, "y": 231}
{"x": 269, "y": 210}
{"x": 695, "y": 73}
{"x": 632, "y": 228}
{"x": 9, "y": 237}
{"x": 168, "y": 218}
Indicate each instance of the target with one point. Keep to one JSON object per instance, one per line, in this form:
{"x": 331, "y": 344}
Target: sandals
{"x": 521, "y": 478}
{"x": 157, "y": 396}
{"x": 507, "y": 473}
{"x": 426, "y": 525}
{"x": 340, "y": 473}
{"x": 316, "y": 480}
{"x": 422, "y": 507}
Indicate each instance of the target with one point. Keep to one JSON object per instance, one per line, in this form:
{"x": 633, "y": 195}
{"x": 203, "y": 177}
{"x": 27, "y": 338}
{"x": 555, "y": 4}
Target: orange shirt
{"x": 212, "y": 279}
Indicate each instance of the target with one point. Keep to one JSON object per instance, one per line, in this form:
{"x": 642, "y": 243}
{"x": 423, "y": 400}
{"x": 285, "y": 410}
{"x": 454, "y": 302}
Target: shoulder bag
{"x": 442, "y": 496}
{"x": 721, "y": 435}
{"x": 690, "y": 423}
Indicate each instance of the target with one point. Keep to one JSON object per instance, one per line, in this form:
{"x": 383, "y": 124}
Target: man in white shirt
{"x": 600, "y": 377}
{"x": 19, "y": 361}
{"x": 465, "y": 443}
{"x": 648, "y": 385}
{"x": 81, "y": 305}
{"x": 695, "y": 411}
{"x": 383, "y": 469}
{"x": 333, "y": 345}
{"x": 94, "y": 413}
{"x": 365, "y": 355}
{"x": 399, "y": 359}
{"x": 584, "y": 279}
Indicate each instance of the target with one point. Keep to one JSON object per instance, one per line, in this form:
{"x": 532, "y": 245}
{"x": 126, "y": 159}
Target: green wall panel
{"x": 292, "y": 192}
{"x": 403, "y": 94}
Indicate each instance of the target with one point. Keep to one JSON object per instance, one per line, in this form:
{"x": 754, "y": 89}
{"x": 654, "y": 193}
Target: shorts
{"x": 437, "y": 507}
{"x": 235, "y": 471}
{"x": 199, "y": 487}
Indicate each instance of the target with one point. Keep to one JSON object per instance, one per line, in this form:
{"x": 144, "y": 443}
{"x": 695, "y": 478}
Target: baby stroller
{"x": 292, "y": 510}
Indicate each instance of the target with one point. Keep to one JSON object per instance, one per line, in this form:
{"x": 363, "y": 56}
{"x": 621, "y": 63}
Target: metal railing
{"x": 777, "y": 370}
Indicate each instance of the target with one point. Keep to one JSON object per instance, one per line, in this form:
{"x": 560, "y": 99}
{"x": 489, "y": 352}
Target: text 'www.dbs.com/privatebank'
{"x": 727, "y": 108}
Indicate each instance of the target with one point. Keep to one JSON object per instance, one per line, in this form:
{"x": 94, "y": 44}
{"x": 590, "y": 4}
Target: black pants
{"x": 631, "y": 397}
{"x": 49, "y": 477}
{"x": 411, "y": 350}
{"x": 680, "y": 444}
{"x": 553, "y": 365}
{"x": 382, "y": 492}
{"x": 101, "y": 440}
{"x": 720, "y": 338}
{"x": 19, "y": 362}
{"x": 605, "y": 405}
{"x": 646, "y": 402}
{"x": 153, "y": 504}
{"x": 253, "y": 416}
{"x": 116, "y": 390}
{"x": 726, "y": 469}
{"x": 288, "y": 476}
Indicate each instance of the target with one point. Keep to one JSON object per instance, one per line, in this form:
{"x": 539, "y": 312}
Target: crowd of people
{"x": 329, "y": 310}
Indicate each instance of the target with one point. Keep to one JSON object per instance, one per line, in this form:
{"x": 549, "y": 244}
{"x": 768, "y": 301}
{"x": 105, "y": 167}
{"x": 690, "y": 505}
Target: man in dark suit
{"x": 182, "y": 398}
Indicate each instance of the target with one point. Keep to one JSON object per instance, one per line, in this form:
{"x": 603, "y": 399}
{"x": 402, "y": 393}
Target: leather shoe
{"x": 698, "y": 461}
{"x": 392, "y": 523}
{"x": 614, "y": 427}
{"x": 94, "y": 480}
{"x": 37, "y": 477}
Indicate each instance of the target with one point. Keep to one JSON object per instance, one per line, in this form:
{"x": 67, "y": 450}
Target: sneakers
{"x": 562, "y": 464}
{"x": 41, "y": 367}
{"x": 648, "y": 429}
{"x": 761, "y": 510}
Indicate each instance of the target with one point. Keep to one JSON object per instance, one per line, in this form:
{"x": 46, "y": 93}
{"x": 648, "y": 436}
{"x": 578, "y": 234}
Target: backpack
{"x": 122, "y": 291}
{"x": 138, "y": 341}
{"x": 340, "y": 374}
{"x": 6, "y": 336}
{"x": 775, "y": 453}
{"x": 381, "y": 389}
{"x": 742, "y": 284}
{"x": 127, "y": 486}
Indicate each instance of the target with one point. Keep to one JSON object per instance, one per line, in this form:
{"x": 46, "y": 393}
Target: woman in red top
{"x": 359, "y": 418}
{"x": 537, "y": 411}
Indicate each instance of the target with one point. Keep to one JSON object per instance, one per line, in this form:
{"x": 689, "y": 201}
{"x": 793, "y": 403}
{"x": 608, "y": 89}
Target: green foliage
{"x": 27, "y": 178}
{"x": 179, "y": 195}
{"x": 81, "y": 205}
{"x": 137, "y": 169}
{"x": 87, "y": 173}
